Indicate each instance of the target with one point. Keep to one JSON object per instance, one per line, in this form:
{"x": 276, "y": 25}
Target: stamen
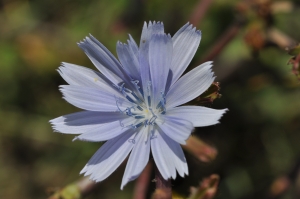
{"x": 151, "y": 121}
{"x": 140, "y": 108}
{"x": 141, "y": 120}
{"x": 141, "y": 91}
{"x": 139, "y": 116}
{"x": 120, "y": 88}
{"x": 149, "y": 101}
{"x": 127, "y": 111}
{"x": 152, "y": 136}
{"x": 152, "y": 111}
{"x": 163, "y": 109}
{"x": 149, "y": 93}
{"x": 158, "y": 105}
{"x": 136, "y": 126}
{"x": 162, "y": 103}
{"x": 125, "y": 92}
{"x": 149, "y": 87}
{"x": 163, "y": 98}
{"x": 136, "y": 97}
{"x": 133, "y": 139}
{"x": 129, "y": 99}
{"x": 118, "y": 106}
{"x": 145, "y": 123}
{"x": 135, "y": 82}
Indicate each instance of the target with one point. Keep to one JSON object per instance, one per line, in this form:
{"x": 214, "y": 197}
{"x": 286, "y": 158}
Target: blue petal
{"x": 134, "y": 47}
{"x": 106, "y": 63}
{"x": 129, "y": 60}
{"x": 176, "y": 154}
{"x": 180, "y": 31}
{"x": 198, "y": 115}
{"x": 160, "y": 58}
{"x": 93, "y": 99}
{"x": 177, "y": 129}
{"x": 185, "y": 45}
{"x": 106, "y": 131}
{"x": 155, "y": 28}
{"x": 109, "y": 156}
{"x": 139, "y": 157}
{"x": 82, "y": 76}
{"x": 84, "y": 121}
{"x": 148, "y": 31}
{"x": 191, "y": 85}
{"x": 162, "y": 155}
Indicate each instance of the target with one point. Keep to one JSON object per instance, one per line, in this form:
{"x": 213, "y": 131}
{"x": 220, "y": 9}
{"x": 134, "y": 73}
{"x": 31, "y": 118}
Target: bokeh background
{"x": 258, "y": 140}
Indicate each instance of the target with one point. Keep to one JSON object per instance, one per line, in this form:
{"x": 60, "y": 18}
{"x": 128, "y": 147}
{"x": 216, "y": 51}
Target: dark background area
{"x": 258, "y": 140}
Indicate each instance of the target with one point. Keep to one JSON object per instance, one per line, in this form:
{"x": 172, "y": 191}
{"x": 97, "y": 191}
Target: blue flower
{"x": 133, "y": 103}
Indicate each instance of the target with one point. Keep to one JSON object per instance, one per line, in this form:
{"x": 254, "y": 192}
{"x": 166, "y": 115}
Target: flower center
{"x": 143, "y": 113}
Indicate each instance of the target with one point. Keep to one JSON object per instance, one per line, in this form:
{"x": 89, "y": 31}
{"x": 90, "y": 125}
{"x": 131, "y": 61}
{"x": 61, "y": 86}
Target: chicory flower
{"x": 134, "y": 103}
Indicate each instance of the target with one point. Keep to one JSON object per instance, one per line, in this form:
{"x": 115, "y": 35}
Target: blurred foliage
{"x": 257, "y": 140}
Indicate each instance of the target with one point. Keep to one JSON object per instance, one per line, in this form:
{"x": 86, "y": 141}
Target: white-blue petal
{"x": 93, "y": 99}
{"x": 178, "y": 129}
{"x": 133, "y": 46}
{"x": 162, "y": 155}
{"x": 160, "y": 59}
{"x": 139, "y": 157}
{"x": 181, "y": 30}
{"x": 84, "y": 121}
{"x": 198, "y": 115}
{"x": 109, "y": 156}
{"x": 185, "y": 45}
{"x": 190, "y": 85}
{"x": 82, "y": 76}
{"x": 106, "y": 63}
{"x": 177, "y": 155}
{"x": 129, "y": 60}
{"x": 106, "y": 131}
{"x": 148, "y": 31}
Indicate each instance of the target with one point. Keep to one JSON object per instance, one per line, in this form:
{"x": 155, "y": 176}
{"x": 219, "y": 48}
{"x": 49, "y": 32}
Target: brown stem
{"x": 200, "y": 11}
{"x": 141, "y": 185}
{"x": 86, "y": 186}
{"x": 218, "y": 46}
{"x": 279, "y": 38}
{"x": 163, "y": 187}
{"x": 200, "y": 149}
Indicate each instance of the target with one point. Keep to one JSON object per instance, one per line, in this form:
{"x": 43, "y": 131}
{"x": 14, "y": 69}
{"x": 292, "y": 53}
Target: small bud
{"x": 207, "y": 188}
{"x": 295, "y": 60}
{"x": 209, "y": 95}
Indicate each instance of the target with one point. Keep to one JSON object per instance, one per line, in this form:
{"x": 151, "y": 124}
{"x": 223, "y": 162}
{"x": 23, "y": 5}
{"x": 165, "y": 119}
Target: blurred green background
{"x": 258, "y": 140}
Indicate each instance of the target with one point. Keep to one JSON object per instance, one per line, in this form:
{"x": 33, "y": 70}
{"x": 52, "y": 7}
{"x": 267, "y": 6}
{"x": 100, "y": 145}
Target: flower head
{"x": 132, "y": 103}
